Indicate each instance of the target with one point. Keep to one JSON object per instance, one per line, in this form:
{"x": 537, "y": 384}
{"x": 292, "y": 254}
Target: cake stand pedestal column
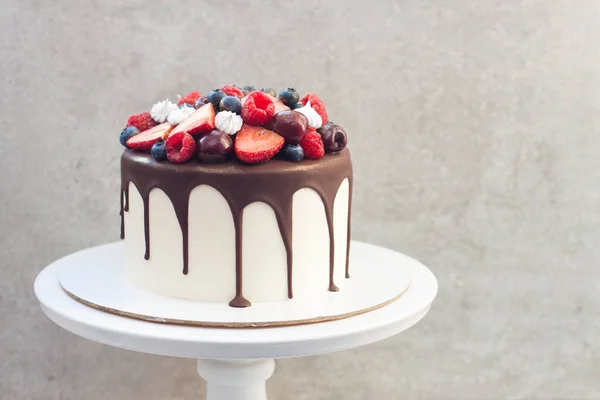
{"x": 236, "y": 363}
{"x": 236, "y": 379}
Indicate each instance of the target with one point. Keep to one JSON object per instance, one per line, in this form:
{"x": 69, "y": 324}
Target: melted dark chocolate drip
{"x": 240, "y": 184}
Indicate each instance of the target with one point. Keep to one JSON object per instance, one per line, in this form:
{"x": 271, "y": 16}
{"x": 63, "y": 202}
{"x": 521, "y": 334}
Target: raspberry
{"x": 180, "y": 147}
{"x": 142, "y": 121}
{"x": 317, "y": 104}
{"x": 254, "y": 144}
{"x": 312, "y": 144}
{"x": 231, "y": 90}
{"x": 257, "y": 108}
{"x": 189, "y": 99}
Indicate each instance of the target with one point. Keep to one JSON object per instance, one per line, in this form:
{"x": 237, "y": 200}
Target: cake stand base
{"x": 236, "y": 379}
{"x": 237, "y": 362}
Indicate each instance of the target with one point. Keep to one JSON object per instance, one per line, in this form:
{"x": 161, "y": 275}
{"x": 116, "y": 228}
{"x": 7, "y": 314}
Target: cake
{"x": 238, "y": 197}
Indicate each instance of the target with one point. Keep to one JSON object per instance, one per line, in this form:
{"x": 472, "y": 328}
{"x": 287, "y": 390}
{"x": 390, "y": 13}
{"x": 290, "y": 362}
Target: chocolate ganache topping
{"x": 240, "y": 184}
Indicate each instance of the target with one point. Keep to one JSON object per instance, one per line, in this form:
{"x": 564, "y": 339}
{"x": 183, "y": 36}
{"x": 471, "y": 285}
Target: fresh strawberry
{"x": 312, "y": 144}
{"x": 279, "y": 106}
{"x": 201, "y": 121}
{"x": 180, "y": 147}
{"x": 189, "y": 99}
{"x": 254, "y": 144}
{"x": 257, "y": 108}
{"x": 145, "y": 140}
{"x": 231, "y": 90}
{"x": 317, "y": 104}
{"x": 142, "y": 121}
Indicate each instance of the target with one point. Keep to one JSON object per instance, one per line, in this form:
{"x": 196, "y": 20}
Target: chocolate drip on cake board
{"x": 240, "y": 184}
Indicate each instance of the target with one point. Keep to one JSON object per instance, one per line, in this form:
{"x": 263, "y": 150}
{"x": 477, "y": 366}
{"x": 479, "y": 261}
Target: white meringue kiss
{"x": 161, "y": 110}
{"x": 178, "y": 116}
{"x": 228, "y": 122}
{"x": 314, "y": 119}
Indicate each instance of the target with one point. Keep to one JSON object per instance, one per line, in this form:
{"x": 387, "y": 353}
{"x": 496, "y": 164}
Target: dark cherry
{"x": 270, "y": 91}
{"x": 292, "y": 125}
{"x": 334, "y": 137}
{"x": 216, "y": 147}
{"x": 200, "y": 102}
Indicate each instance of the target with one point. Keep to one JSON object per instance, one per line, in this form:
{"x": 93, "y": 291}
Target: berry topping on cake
{"x": 228, "y": 122}
{"x": 317, "y": 104}
{"x": 255, "y": 144}
{"x": 145, "y": 140}
{"x": 200, "y": 102}
{"x": 292, "y": 152}
{"x": 142, "y": 121}
{"x": 289, "y": 96}
{"x": 215, "y": 97}
{"x": 312, "y": 145}
{"x": 231, "y": 103}
{"x": 257, "y": 108}
{"x": 161, "y": 110}
{"x": 297, "y": 106}
{"x": 127, "y": 133}
{"x": 158, "y": 150}
{"x": 279, "y": 106}
{"x": 246, "y": 90}
{"x": 181, "y": 114}
{"x": 180, "y": 147}
{"x": 216, "y": 147}
{"x": 189, "y": 99}
{"x": 231, "y": 90}
{"x": 334, "y": 137}
{"x": 314, "y": 119}
{"x": 269, "y": 91}
{"x": 201, "y": 121}
{"x": 291, "y": 125}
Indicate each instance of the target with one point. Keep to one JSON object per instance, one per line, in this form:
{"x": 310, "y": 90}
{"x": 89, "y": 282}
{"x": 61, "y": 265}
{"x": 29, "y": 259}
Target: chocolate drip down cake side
{"x": 238, "y": 197}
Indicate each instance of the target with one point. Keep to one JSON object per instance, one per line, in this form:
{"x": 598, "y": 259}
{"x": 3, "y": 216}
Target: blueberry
{"x": 231, "y": 103}
{"x": 297, "y": 105}
{"x": 127, "y": 133}
{"x": 248, "y": 89}
{"x": 270, "y": 91}
{"x": 289, "y": 96}
{"x": 292, "y": 152}
{"x": 158, "y": 151}
{"x": 215, "y": 97}
{"x": 186, "y": 105}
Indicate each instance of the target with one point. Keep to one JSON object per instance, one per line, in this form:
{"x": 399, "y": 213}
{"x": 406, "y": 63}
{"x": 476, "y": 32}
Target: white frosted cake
{"x": 237, "y": 197}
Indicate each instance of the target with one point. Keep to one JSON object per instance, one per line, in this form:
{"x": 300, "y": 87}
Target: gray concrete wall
{"x": 474, "y": 127}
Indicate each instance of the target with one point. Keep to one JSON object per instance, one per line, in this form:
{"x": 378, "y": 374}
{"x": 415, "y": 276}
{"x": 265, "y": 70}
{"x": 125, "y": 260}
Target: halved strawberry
{"x": 180, "y": 147}
{"x": 254, "y": 144}
{"x": 145, "y": 140}
{"x": 201, "y": 121}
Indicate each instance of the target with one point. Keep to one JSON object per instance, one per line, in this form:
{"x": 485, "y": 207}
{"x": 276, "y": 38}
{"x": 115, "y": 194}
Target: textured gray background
{"x": 474, "y": 127}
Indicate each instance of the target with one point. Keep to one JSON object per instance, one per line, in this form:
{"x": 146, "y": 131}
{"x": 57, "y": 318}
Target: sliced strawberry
{"x": 202, "y": 121}
{"x": 180, "y": 147}
{"x": 279, "y": 106}
{"x": 145, "y": 140}
{"x": 312, "y": 144}
{"x": 254, "y": 144}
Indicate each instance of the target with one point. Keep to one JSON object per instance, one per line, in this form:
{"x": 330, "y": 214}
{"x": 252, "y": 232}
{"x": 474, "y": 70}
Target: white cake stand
{"x": 236, "y": 363}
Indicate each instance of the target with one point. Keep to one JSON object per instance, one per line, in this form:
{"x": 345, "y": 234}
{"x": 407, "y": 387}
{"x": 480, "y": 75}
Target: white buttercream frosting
{"x": 228, "y": 122}
{"x": 314, "y": 119}
{"x": 179, "y": 115}
{"x": 161, "y": 110}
